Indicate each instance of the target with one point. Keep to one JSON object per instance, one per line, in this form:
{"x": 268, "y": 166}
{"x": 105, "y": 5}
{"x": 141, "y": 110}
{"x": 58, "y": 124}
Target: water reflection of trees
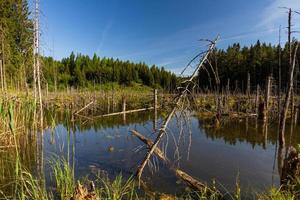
{"x": 249, "y": 131}
{"x": 105, "y": 122}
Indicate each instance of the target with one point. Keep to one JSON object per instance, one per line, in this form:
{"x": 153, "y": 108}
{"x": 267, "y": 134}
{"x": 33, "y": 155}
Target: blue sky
{"x": 161, "y": 32}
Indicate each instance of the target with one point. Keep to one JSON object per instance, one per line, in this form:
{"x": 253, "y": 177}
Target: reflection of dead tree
{"x": 182, "y": 93}
{"x": 218, "y": 96}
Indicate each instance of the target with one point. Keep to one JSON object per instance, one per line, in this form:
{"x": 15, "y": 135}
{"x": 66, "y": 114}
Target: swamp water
{"x": 240, "y": 148}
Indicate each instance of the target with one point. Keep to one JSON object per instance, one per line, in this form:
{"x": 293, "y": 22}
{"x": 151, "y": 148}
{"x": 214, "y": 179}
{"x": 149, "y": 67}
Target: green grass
{"x": 64, "y": 179}
{"x": 277, "y": 194}
{"x": 117, "y": 189}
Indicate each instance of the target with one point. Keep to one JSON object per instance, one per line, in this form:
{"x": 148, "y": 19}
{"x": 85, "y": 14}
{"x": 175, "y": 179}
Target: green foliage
{"x": 235, "y": 62}
{"x": 16, "y": 39}
{"x": 31, "y": 188}
{"x": 276, "y": 194}
{"x": 83, "y": 71}
{"x": 298, "y": 148}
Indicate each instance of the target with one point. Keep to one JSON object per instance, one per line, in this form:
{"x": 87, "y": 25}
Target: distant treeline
{"x": 259, "y": 61}
{"x": 83, "y": 71}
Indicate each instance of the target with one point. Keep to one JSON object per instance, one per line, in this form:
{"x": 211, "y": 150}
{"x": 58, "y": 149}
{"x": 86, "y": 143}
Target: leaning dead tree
{"x": 183, "y": 91}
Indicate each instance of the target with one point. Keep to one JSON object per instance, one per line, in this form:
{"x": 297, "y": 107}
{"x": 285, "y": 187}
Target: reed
{"x": 64, "y": 179}
{"x": 117, "y": 189}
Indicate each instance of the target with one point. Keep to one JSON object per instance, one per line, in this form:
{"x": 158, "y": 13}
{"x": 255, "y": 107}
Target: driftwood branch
{"x": 177, "y": 101}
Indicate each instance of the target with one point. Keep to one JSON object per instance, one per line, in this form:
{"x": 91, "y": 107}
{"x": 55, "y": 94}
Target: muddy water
{"x": 241, "y": 148}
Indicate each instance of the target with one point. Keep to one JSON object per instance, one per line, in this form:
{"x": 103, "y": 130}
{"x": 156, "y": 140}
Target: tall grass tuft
{"x": 31, "y": 188}
{"x": 117, "y": 189}
{"x": 64, "y": 179}
{"x": 277, "y": 194}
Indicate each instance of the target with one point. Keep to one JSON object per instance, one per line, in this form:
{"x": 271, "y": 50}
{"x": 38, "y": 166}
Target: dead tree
{"x": 37, "y": 65}
{"x": 279, "y": 74}
{"x": 3, "y": 81}
{"x": 248, "y": 85}
{"x": 257, "y": 101}
{"x": 267, "y": 97}
{"x": 182, "y": 92}
{"x": 287, "y": 100}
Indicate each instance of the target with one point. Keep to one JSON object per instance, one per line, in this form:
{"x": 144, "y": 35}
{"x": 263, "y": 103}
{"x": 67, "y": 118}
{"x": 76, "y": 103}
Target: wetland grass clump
{"x": 31, "y": 188}
{"x": 64, "y": 178}
{"x": 117, "y": 189}
{"x": 277, "y": 194}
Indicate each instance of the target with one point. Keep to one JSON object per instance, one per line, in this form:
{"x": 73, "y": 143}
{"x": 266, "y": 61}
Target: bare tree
{"x": 37, "y": 66}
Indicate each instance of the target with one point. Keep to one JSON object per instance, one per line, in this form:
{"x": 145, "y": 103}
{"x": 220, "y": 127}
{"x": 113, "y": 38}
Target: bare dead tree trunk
{"x": 35, "y": 64}
{"x": 3, "y": 60}
{"x": 290, "y": 50}
{"x": 257, "y": 101}
{"x": 155, "y": 109}
{"x": 177, "y": 101}
{"x": 289, "y": 37}
{"x": 287, "y": 100}
{"x": 279, "y": 74}
{"x": 228, "y": 87}
{"x": 267, "y": 97}
{"x": 1, "y": 74}
{"x": 248, "y": 85}
{"x": 38, "y": 66}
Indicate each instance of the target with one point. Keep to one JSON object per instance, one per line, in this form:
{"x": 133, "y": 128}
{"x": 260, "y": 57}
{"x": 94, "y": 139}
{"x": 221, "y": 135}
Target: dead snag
{"x": 287, "y": 100}
{"x": 177, "y": 100}
{"x": 257, "y": 101}
{"x": 267, "y": 98}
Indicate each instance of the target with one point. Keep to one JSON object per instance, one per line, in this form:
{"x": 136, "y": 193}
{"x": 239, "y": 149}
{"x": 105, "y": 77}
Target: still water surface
{"x": 240, "y": 148}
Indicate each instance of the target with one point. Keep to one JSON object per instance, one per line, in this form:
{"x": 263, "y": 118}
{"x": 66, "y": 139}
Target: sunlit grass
{"x": 64, "y": 179}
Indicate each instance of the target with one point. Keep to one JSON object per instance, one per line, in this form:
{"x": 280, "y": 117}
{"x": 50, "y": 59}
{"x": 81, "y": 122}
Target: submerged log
{"x": 190, "y": 180}
{"x": 149, "y": 143}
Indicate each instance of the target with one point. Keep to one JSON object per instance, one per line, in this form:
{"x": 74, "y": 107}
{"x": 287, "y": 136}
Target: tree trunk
{"x": 287, "y": 100}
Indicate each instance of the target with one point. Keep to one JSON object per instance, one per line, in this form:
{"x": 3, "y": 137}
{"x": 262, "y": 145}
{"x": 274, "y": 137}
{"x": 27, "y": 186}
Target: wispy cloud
{"x": 104, "y": 34}
{"x": 178, "y": 41}
{"x": 274, "y": 14}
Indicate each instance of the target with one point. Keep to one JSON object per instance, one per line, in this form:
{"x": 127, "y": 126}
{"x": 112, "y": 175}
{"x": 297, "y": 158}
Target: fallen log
{"x": 85, "y": 107}
{"x": 149, "y": 143}
{"x": 192, "y": 182}
{"x": 124, "y": 112}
